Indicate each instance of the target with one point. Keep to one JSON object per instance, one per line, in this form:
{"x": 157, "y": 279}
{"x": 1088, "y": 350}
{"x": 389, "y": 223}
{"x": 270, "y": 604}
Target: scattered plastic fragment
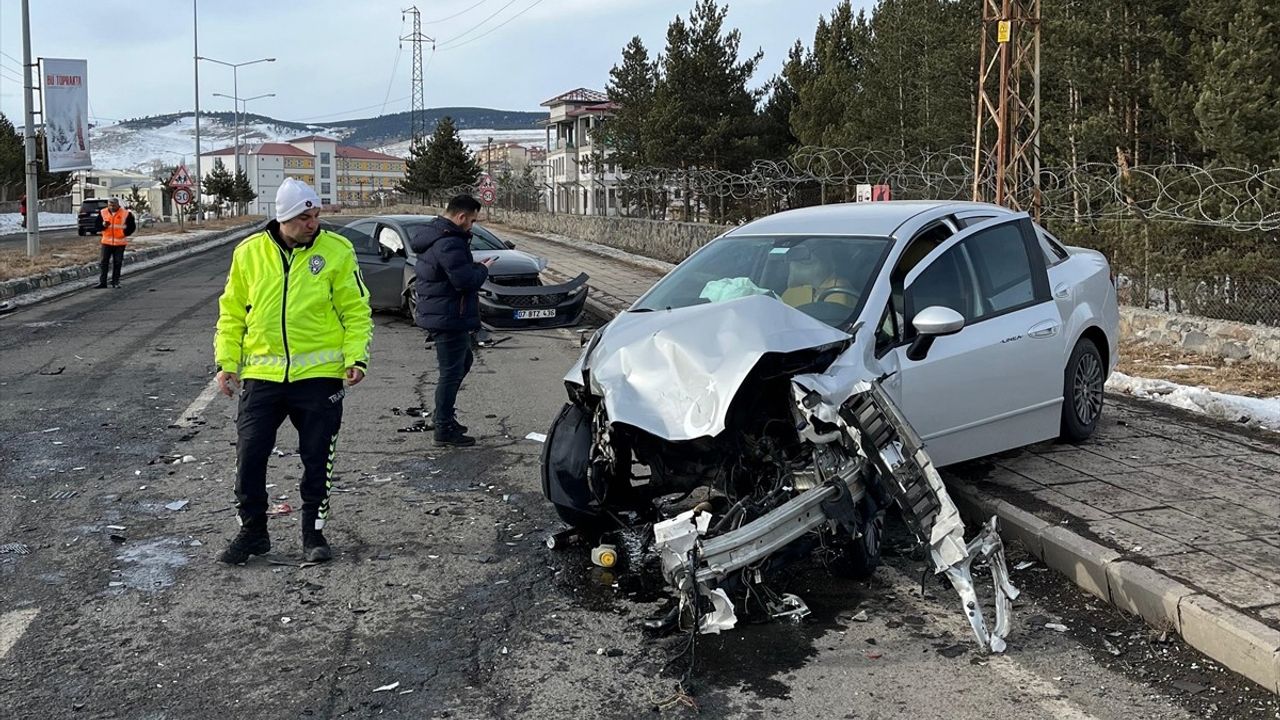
{"x": 387, "y": 688}
{"x": 1059, "y": 627}
{"x": 279, "y": 510}
{"x": 14, "y": 548}
{"x": 177, "y": 505}
{"x": 536, "y": 437}
{"x": 860, "y": 617}
{"x": 1023, "y": 565}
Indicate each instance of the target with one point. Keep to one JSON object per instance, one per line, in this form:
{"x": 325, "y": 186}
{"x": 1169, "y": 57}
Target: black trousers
{"x": 315, "y": 409}
{"x": 112, "y": 255}
{"x": 453, "y": 360}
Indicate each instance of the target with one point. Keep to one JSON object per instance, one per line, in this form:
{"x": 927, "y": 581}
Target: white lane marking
{"x": 197, "y": 406}
{"x": 12, "y": 626}
{"x": 1043, "y": 692}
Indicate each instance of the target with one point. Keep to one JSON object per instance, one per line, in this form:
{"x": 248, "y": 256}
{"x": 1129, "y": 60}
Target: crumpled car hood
{"x": 674, "y": 373}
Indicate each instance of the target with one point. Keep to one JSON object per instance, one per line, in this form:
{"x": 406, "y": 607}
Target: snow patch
{"x": 1261, "y": 413}
{"x": 12, "y": 222}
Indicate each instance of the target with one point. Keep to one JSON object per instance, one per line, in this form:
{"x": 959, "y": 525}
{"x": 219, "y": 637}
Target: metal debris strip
{"x": 14, "y": 548}
{"x": 64, "y": 495}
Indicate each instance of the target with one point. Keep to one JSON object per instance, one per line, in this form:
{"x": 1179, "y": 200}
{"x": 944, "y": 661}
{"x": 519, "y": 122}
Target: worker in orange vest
{"x": 116, "y": 224}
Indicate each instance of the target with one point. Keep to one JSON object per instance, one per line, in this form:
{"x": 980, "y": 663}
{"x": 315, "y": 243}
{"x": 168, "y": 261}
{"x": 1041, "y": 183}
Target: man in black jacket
{"x": 448, "y": 279}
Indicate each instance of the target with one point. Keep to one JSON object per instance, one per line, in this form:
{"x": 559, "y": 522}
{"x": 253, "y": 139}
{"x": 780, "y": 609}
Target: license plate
{"x": 534, "y": 314}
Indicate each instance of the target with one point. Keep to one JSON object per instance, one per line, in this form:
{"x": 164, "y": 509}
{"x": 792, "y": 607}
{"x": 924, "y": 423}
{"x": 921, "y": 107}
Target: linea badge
{"x": 317, "y": 264}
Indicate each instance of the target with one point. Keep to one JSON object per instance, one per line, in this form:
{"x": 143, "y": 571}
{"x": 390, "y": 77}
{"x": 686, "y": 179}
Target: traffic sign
{"x": 182, "y": 196}
{"x": 488, "y": 195}
{"x": 180, "y": 178}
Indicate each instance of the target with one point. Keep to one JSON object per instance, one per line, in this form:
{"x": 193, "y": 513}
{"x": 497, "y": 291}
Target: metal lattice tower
{"x": 1007, "y": 139}
{"x": 418, "y": 112}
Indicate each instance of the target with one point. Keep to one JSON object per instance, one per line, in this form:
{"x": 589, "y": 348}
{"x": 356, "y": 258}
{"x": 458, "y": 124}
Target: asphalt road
{"x": 13, "y": 241}
{"x": 111, "y": 604}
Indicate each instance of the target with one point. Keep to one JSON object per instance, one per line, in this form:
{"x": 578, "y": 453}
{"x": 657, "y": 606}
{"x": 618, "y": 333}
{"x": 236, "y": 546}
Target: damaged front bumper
{"x": 510, "y": 307}
{"x": 693, "y": 564}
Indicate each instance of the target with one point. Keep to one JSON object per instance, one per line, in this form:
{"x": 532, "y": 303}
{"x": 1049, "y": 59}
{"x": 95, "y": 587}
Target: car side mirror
{"x": 510, "y": 245}
{"x": 932, "y": 323}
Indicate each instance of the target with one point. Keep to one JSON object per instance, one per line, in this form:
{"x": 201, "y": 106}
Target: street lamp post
{"x": 242, "y": 108}
{"x": 235, "y": 89}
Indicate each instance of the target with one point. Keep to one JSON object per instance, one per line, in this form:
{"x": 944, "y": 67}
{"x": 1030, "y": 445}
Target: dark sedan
{"x": 514, "y": 297}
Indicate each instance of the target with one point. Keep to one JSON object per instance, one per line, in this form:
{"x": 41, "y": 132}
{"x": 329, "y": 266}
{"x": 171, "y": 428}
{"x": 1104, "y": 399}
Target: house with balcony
{"x": 580, "y": 177}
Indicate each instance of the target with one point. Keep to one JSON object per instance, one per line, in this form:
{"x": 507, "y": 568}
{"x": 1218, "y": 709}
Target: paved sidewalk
{"x": 1170, "y": 516}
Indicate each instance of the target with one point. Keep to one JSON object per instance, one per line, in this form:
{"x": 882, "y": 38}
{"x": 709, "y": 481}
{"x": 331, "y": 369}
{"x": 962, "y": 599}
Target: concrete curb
{"x": 22, "y": 292}
{"x": 1237, "y": 641}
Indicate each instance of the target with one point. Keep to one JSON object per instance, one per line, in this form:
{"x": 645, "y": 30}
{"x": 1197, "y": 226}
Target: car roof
{"x": 877, "y": 219}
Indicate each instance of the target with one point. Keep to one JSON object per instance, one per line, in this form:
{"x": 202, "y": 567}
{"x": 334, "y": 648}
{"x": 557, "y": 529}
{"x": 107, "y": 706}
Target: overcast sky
{"x": 337, "y": 59}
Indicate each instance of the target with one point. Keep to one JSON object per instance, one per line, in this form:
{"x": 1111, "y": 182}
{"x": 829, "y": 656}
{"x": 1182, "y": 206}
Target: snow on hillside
{"x": 476, "y": 139}
{"x": 118, "y": 147}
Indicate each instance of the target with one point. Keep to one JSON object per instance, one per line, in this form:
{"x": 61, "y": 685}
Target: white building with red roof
{"x": 340, "y": 174}
{"x": 580, "y": 177}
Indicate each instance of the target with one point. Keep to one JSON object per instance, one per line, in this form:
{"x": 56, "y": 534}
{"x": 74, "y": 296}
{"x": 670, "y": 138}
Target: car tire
{"x": 1082, "y": 391}
{"x": 410, "y": 304}
{"x": 859, "y": 557}
{"x": 80, "y": 232}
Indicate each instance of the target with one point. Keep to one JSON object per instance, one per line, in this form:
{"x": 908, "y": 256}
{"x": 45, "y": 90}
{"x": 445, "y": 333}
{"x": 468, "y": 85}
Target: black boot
{"x": 314, "y": 547}
{"x": 453, "y": 435}
{"x": 251, "y": 540}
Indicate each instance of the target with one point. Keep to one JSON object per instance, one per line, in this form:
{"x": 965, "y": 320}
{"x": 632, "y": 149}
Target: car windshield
{"x": 482, "y": 239}
{"x": 826, "y": 277}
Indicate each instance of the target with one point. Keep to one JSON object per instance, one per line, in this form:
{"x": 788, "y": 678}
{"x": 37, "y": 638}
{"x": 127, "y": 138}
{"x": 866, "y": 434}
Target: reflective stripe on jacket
{"x": 293, "y": 315}
{"x": 114, "y": 225}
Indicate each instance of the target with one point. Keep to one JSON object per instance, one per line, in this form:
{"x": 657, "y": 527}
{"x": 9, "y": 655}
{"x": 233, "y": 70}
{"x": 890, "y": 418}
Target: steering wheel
{"x": 822, "y": 296}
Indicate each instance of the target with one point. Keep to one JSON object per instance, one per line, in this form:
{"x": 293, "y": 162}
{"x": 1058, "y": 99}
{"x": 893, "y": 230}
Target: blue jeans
{"x": 453, "y": 359}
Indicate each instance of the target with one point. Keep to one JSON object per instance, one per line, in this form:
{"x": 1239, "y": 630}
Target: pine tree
{"x": 241, "y": 191}
{"x": 138, "y": 202}
{"x": 450, "y": 165}
{"x": 416, "y": 182}
{"x": 631, "y": 86}
{"x": 219, "y": 184}
{"x": 1238, "y": 106}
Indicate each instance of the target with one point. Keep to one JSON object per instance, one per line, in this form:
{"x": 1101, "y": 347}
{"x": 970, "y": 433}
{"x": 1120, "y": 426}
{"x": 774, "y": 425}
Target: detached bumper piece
{"x": 908, "y": 474}
{"x": 511, "y": 307}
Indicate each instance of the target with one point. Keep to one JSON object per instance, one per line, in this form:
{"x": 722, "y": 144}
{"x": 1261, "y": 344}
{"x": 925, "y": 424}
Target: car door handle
{"x": 1046, "y": 329}
{"x": 1062, "y": 291}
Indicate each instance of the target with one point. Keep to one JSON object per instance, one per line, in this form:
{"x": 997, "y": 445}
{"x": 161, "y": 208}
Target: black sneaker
{"x": 314, "y": 547}
{"x": 251, "y": 540}
{"x": 101, "y": 286}
{"x": 453, "y": 435}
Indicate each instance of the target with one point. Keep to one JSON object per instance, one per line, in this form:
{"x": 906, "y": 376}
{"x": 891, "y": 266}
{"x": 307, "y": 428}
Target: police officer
{"x": 293, "y": 324}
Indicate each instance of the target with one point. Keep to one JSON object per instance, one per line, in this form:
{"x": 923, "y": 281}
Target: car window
{"x": 360, "y": 235}
{"x": 826, "y": 277}
{"x": 390, "y": 239}
{"x": 1003, "y": 268}
{"x": 966, "y": 222}
{"x": 482, "y": 239}
{"x": 1054, "y": 253}
{"x": 947, "y": 282}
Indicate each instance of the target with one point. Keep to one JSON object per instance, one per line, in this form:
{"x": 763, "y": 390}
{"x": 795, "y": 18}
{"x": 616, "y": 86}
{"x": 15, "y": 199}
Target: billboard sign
{"x": 66, "y": 113}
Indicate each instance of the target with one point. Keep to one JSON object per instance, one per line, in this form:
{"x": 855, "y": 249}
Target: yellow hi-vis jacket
{"x": 289, "y": 315}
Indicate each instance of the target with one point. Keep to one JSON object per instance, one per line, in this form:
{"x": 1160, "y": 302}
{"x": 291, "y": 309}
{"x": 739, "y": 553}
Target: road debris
{"x": 14, "y": 548}
{"x": 1024, "y": 565}
{"x": 1058, "y": 627}
{"x": 387, "y": 688}
{"x": 536, "y": 437}
{"x": 279, "y": 510}
{"x": 59, "y": 371}
{"x": 177, "y": 505}
{"x": 860, "y": 617}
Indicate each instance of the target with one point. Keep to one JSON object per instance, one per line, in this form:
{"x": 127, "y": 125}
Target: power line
{"x": 473, "y": 7}
{"x": 477, "y": 26}
{"x": 344, "y": 112}
{"x": 498, "y": 27}
{"x": 394, "y": 66}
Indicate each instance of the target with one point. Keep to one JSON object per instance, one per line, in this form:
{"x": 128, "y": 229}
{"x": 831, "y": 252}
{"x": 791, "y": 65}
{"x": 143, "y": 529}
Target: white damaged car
{"x": 775, "y": 393}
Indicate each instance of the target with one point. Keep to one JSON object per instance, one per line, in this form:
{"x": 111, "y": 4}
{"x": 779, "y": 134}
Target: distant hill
{"x": 148, "y": 143}
{"x": 364, "y": 132}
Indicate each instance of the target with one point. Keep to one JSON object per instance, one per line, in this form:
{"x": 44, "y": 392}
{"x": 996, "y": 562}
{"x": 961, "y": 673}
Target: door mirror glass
{"x": 937, "y": 320}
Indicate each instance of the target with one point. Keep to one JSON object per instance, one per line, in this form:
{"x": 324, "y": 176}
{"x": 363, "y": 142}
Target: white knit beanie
{"x": 294, "y": 198}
